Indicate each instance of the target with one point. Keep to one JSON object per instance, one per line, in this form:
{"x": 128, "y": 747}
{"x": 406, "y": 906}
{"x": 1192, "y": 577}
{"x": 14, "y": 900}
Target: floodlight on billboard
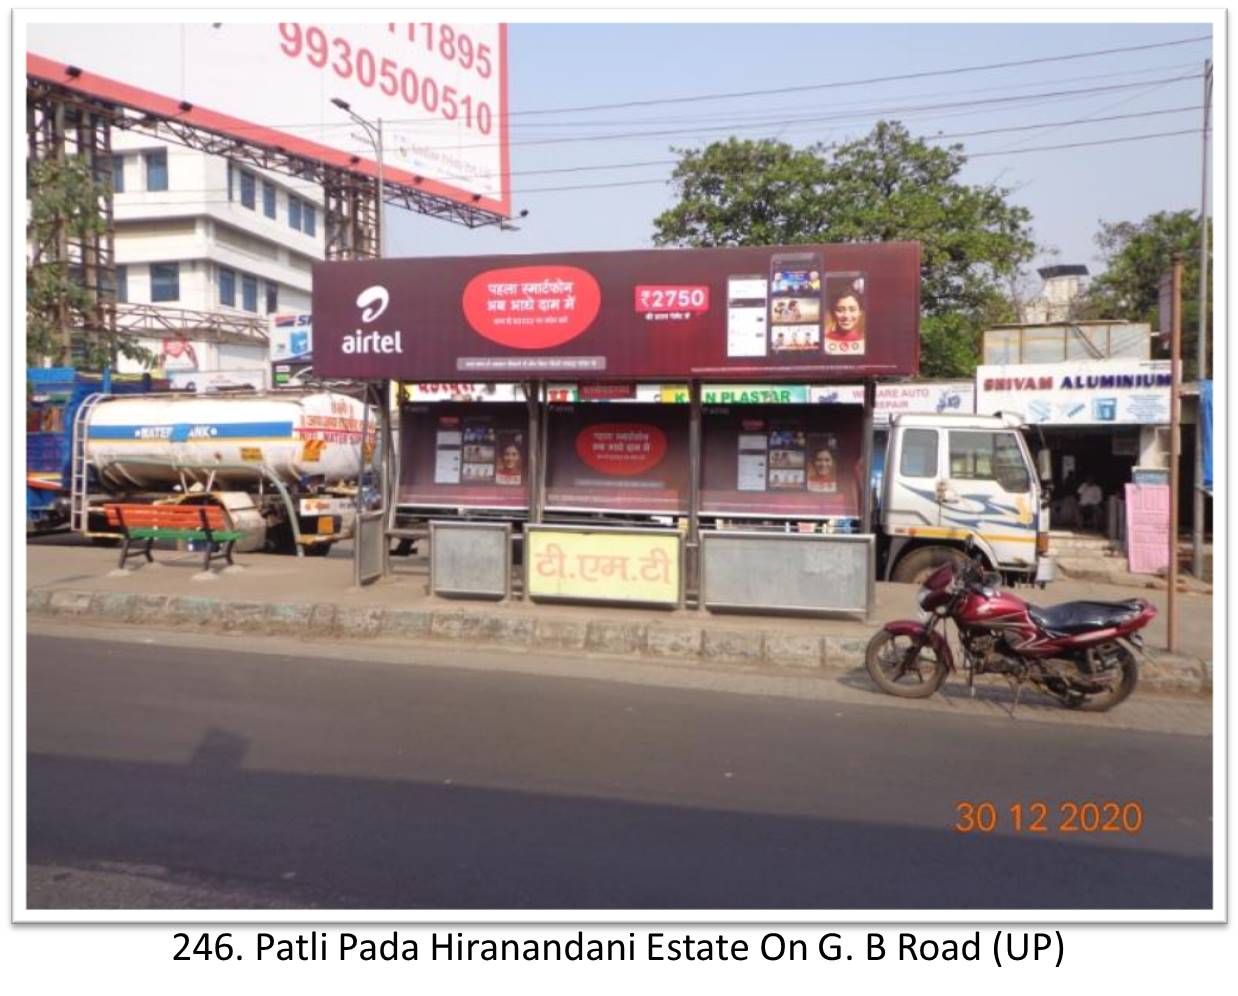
{"x": 440, "y": 90}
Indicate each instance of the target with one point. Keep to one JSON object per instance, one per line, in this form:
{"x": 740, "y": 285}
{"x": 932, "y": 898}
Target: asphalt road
{"x": 284, "y": 781}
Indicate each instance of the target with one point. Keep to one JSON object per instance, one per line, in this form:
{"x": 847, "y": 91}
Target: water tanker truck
{"x": 285, "y": 465}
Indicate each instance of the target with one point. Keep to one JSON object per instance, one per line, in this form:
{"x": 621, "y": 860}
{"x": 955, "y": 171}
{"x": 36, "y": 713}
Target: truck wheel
{"x": 916, "y": 566}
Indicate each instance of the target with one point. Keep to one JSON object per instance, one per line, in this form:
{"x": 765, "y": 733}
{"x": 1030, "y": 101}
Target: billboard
{"x": 630, "y": 459}
{"x": 1104, "y": 392}
{"x": 798, "y": 461}
{"x": 440, "y": 89}
{"x": 464, "y": 455}
{"x": 766, "y": 312}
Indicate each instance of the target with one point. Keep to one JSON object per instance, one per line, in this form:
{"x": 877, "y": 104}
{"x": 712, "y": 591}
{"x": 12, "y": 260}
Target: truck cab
{"x": 957, "y": 482}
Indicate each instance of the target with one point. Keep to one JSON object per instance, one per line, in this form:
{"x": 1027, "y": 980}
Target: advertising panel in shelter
{"x": 464, "y": 455}
{"x": 791, "y": 461}
{"x": 764, "y": 312}
{"x": 623, "y": 458}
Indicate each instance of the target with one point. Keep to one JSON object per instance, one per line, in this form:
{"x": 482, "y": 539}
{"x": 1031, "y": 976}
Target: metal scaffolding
{"x": 64, "y": 121}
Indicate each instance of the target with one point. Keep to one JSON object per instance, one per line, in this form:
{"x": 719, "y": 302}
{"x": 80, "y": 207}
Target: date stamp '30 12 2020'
{"x": 1038, "y": 816}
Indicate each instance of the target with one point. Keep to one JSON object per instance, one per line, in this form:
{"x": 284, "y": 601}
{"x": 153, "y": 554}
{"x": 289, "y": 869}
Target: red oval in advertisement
{"x": 532, "y": 307}
{"x": 621, "y": 449}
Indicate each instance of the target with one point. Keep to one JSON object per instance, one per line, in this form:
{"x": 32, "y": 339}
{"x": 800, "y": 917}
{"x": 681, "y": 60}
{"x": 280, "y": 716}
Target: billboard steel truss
{"x": 66, "y": 120}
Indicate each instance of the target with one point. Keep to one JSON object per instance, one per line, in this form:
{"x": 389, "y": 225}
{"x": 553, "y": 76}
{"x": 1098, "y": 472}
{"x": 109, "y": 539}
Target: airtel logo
{"x": 373, "y": 302}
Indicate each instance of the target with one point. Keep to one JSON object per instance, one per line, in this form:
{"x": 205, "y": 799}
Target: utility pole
{"x": 1175, "y": 421}
{"x": 1197, "y": 517}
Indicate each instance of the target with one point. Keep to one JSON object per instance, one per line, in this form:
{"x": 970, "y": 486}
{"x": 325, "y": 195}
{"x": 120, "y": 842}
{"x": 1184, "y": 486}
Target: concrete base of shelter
{"x": 314, "y": 600}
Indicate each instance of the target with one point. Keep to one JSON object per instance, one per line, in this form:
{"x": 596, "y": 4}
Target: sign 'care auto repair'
{"x": 772, "y": 312}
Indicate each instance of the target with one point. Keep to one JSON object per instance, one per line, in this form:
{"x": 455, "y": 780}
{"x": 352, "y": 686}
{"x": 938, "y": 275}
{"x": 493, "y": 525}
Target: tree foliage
{"x": 1136, "y": 254}
{"x": 887, "y": 186}
{"x": 64, "y": 195}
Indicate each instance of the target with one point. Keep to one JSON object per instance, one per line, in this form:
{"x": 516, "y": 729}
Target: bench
{"x": 205, "y": 523}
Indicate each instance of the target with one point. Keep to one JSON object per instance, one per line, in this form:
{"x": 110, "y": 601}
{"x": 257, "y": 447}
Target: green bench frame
{"x": 218, "y": 542}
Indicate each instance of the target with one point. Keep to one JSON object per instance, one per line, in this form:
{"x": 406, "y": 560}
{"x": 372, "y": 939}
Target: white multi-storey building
{"x": 197, "y": 233}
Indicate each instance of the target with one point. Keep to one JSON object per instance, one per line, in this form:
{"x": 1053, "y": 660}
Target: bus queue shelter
{"x": 645, "y": 399}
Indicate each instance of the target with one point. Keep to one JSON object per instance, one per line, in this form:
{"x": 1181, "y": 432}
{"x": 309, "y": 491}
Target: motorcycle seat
{"x": 1079, "y": 617}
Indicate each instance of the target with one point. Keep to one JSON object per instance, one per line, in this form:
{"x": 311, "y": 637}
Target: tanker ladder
{"x": 79, "y": 466}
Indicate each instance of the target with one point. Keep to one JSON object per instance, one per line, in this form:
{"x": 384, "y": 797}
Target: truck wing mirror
{"x": 1044, "y": 465}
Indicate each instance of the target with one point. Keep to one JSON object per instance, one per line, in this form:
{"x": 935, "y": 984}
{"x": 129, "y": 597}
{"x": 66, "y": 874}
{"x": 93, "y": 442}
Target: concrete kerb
{"x": 673, "y": 640}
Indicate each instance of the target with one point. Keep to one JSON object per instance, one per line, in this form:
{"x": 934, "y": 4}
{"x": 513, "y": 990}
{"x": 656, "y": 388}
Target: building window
{"x": 165, "y": 282}
{"x": 231, "y": 194}
{"x": 294, "y": 212}
{"x": 248, "y": 193}
{"x": 272, "y": 298}
{"x": 268, "y": 199}
{"x": 307, "y": 219}
{"x": 118, "y": 174}
{"x": 249, "y": 292}
{"x": 227, "y": 287}
{"x": 122, "y": 284}
{"x": 156, "y": 170}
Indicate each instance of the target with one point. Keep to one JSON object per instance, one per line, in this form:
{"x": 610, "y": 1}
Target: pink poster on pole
{"x": 1147, "y": 528}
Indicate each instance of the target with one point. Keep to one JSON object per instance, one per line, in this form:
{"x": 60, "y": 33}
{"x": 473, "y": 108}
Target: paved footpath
{"x": 314, "y": 599}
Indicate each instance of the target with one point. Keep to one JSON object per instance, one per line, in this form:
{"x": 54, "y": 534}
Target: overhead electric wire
{"x": 974, "y": 155}
{"x": 870, "y": 80}
{"x": 671, "y": 162}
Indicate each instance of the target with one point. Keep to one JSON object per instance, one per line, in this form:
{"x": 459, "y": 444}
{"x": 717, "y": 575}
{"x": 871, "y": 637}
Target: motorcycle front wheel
{"x": 898, "y": 668}
{"x": 1119, "y": 688}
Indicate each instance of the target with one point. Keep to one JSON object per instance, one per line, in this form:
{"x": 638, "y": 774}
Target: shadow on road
{"x": 366, "y": 843}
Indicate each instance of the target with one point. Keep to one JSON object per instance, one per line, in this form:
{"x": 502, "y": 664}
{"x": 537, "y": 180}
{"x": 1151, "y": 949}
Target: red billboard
{"x": 769, "y": 312}
{"x": 459, "y": 454}
{"x": 782, "y": 461}
{"x": 621, "y": 458}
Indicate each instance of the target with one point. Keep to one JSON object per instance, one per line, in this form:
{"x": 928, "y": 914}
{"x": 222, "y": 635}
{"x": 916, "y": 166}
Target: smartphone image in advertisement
{"x": 746, "y": 305}
{"x": 795, "y": 302}
{"x": 846, "y": 314}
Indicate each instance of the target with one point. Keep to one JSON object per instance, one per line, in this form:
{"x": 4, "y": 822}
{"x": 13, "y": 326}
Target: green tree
{"x": 64, "y": 197}
{"x": 1136, "y": 254}
{"x": 887, "y": 186}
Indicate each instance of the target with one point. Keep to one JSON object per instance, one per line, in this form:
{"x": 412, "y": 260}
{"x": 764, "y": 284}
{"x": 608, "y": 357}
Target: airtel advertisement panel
{"x": 770, "y": 312}
{"x": 440, "y": 89}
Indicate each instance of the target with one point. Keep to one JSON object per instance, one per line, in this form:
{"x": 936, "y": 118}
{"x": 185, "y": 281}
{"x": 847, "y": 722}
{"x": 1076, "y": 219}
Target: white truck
{"x": 950, "y": 481}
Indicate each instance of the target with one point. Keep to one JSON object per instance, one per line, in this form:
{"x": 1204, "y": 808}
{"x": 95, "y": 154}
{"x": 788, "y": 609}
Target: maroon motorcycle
{"x": 1077, "y": 652}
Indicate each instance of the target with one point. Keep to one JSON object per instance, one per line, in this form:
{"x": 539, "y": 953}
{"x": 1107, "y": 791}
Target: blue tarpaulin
{"x": 1205, "y": 418}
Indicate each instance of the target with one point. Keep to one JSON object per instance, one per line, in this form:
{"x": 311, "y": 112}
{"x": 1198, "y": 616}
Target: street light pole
{"x": 374, "y": 132}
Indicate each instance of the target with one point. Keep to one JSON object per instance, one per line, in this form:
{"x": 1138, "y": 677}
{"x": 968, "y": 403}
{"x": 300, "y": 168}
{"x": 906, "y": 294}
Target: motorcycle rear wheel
{"x": 898, "y": 669}
{"x": 1119, "y": 691}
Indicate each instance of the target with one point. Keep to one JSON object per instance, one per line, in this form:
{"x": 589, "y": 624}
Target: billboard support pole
{"x": 1175, "y": 422}
{"x": 694, "y": 490}
{"x": 537, "y": 463}
{"x": 1201, "y": 367}
{"x": 866, "y": 492}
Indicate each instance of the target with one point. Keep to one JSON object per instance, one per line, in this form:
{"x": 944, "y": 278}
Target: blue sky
{"x": 1067, "y": 191}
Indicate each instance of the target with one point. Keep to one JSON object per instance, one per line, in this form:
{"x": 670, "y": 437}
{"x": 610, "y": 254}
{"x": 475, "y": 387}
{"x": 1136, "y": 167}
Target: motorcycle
{"x": 1077, "y": 652}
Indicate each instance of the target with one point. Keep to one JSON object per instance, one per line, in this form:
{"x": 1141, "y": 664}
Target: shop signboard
{"x": 461, "y": 455}
{"x": 1105, "y": 392}
{"x": 584, "y": 564}
{"x": 462, "y": 391}
{"x": 621, "y": 458}
{"x": 765, "y": 313}
{"x": 923, "y": 398}
{"x": 799, "y": 462}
